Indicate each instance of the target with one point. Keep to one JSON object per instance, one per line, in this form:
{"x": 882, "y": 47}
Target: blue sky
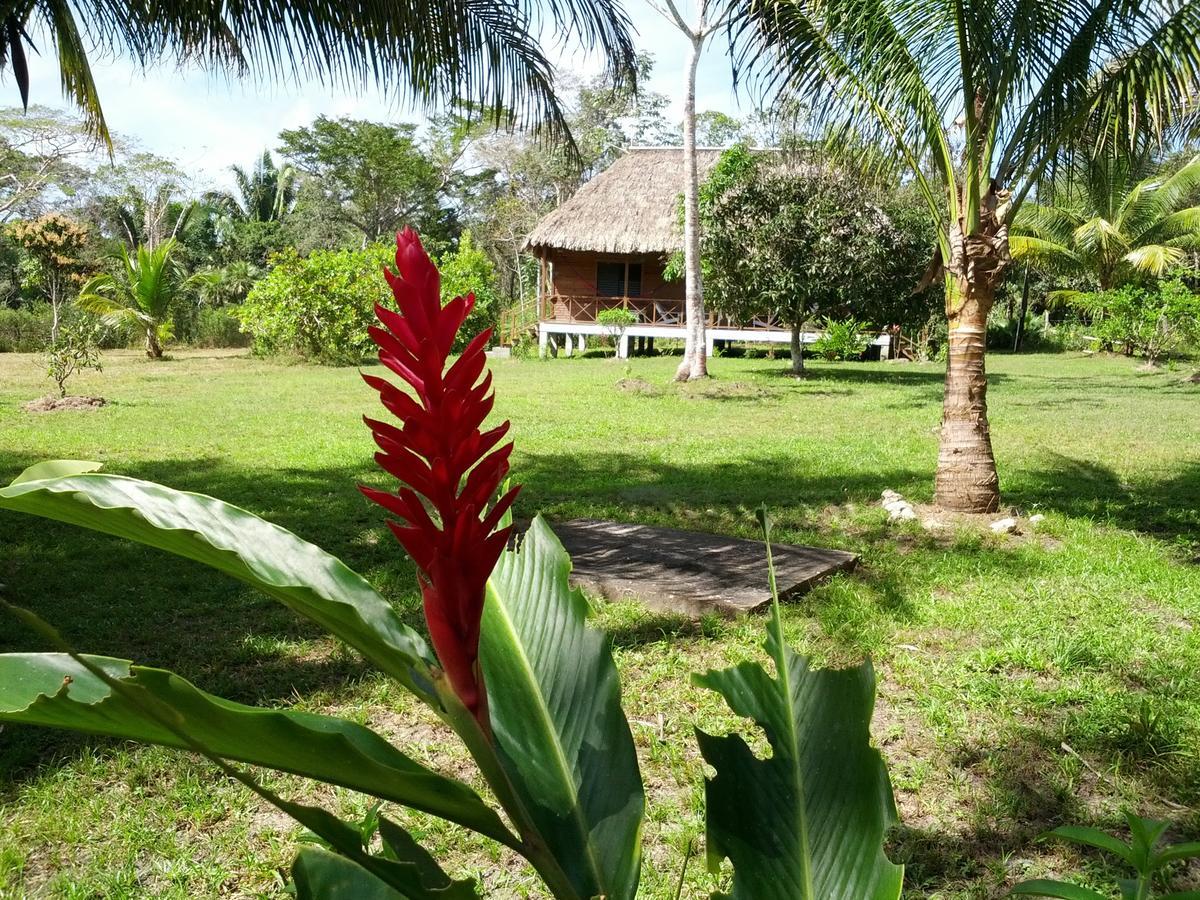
{"x": 207, "y": 122}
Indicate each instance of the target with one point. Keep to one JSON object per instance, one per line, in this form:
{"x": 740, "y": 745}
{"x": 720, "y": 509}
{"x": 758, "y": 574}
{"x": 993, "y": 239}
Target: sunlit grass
{"x": 1024, "y": 682}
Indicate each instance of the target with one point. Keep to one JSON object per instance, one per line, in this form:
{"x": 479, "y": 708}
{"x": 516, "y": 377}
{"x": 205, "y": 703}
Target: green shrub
{"x": 843, "y": 340}
{"x": 1037, "y": 337}
{"x": 615, "y": 321}
{"x": 218, "y": 327}
{"x": 1156, "y": 320}
{"x": 318, "y": 307}
{"x": 465, "y": 270}
{"x": 24, "y": 330}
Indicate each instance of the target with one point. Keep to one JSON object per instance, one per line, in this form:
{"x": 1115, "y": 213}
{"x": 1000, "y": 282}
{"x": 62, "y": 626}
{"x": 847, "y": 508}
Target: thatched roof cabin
{"x": 632, "y": 207}
{"x": 608, "y": 244}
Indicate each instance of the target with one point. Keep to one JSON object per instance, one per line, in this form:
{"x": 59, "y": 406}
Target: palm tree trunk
{"x": 966, "y": 471}
{"x": 966, "y": 479}
{"x": 154, "y": 349}
{"x": 695, "y": 359}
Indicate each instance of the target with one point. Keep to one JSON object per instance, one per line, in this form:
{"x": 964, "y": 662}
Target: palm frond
{"x": 1045, "y": 255}
{"x": 1100, "y": 237}
{"x": 1154, "y": 259}
{"x": 430, "y": 52}
{"x": 1159, "y": 196}
{"x": 854, "y": 62}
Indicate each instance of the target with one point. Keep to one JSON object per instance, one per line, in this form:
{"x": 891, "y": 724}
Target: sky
{"x": 207, "y": 122}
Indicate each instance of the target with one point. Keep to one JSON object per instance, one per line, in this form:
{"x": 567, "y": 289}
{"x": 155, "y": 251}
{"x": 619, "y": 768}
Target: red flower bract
{"x": 449, "y": 470}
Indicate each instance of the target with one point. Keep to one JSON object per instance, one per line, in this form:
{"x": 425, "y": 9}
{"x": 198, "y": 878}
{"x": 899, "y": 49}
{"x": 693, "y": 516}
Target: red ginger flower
{"x": 448, "y": 469}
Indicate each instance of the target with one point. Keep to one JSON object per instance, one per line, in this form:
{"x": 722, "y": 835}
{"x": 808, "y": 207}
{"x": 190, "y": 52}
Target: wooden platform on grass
{"x": 688, "y": 572}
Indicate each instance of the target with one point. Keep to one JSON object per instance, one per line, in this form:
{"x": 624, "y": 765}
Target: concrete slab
{"x": 689, "y": 572}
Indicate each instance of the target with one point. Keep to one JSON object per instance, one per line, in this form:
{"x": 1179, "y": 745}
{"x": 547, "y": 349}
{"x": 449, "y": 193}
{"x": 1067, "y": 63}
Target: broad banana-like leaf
{"x": 54, "y": 689}
{"x": 321, "y": 875}
{"x": 1060, "y": 890}
{"x": 555, "y": 703}
{"x": 300, "y": 575}
{"x": 807, "y": 823}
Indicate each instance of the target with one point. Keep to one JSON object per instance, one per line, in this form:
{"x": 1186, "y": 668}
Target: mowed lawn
{"x": 1025, "y": 682}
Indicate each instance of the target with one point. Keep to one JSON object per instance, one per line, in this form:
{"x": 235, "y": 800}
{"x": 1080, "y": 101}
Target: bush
{"x": 24, "y": 330}
{"x": 318, "y": 306}
{"x": 841, "y": 340}
{"x": 466, "y": 270}
{"x": 615, "y": 321}
{"x": 1037, "y": 336}
{"x": 1155, "y": 320}
{"x": 218, "y": 327}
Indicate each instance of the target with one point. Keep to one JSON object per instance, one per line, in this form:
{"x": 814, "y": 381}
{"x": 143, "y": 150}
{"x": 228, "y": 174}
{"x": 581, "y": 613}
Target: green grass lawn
{"x": 1025, "y": 681}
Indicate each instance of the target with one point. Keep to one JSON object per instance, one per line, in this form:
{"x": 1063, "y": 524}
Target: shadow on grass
{"x": 1026, "y": 784}
{"x": 117, "y": 598}
{"x": 1167, "y": 508}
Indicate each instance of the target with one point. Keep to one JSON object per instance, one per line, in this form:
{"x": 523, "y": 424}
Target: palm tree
{"x": 1121, "y": 220}
{"x": 445, "y": 50}
{"x": 142, "y": 293}
{"x": 230, "y": 283}
{"x": 977, "y": 99}
{"x": 264, "y": 193}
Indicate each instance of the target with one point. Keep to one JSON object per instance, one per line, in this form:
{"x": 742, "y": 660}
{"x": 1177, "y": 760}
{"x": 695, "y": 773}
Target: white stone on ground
{"x": 898, "y": 509}
{"x": 1004, "y": 526}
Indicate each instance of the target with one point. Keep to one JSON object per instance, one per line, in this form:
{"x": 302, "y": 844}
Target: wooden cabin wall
{"x": 574, "y": 274}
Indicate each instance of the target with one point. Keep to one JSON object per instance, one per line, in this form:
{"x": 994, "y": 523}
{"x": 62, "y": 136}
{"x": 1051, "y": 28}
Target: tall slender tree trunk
{"x": 967, "y": 480}
{"x": 1019, "y": 331}
{"x": 797, "y": 349}
{"x": 695, "y": 357}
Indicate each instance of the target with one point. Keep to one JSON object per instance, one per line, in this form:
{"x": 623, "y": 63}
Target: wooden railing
{"x": 669, "y": 313}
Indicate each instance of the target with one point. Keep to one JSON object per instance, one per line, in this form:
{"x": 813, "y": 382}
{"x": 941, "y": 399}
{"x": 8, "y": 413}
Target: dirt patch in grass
{"x": 639, "y": 386}
{"x": 55, "y": 404}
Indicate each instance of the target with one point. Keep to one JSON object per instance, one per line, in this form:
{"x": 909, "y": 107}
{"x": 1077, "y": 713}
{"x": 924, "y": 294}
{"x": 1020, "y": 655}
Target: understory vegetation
{"x": 1025, "y": 681}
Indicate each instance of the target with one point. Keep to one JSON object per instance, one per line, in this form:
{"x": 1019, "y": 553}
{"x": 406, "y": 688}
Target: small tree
{"x": 616, "y": 321}
{"x": 143, "y": 292}
{"x": 56, "y": 244}
{"x": 77, "y": 348}
{"x": 797, "y": 240}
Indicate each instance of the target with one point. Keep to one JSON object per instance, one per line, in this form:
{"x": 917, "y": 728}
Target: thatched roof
{"x": 630, "y": 207}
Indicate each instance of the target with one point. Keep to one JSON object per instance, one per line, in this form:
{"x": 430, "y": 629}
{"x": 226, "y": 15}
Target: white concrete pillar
{"x": 582, "y": 344}
{"x": 543, "y": 341}
{"x": 623, "y": 347}
{"x": 568, "y": 345}
{"x": 708, "y": 344}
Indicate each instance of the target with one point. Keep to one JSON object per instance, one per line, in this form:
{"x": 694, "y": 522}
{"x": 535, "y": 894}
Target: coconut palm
{"x": 423, "y": 50}
{"x": 1121, "y": 220}
{"x": 142, "y": 293}
{"x": 264, "y": 193}
{"x": 230, "y": 283}
{"x": 977, "y": 99}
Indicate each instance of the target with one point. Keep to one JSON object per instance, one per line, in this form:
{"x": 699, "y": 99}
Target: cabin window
{"x": 618, "y": 279}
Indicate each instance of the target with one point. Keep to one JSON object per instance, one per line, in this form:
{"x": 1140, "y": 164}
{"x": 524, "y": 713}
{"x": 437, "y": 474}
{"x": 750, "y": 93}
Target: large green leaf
{"x": 54, "y": 689}
{"x": 808, "y": 822}
{"x": 321, "y": 875}
{"x": 555, "y": 703}
{"x": 301, "y": 575}
{"x": 1058, "y": 889}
